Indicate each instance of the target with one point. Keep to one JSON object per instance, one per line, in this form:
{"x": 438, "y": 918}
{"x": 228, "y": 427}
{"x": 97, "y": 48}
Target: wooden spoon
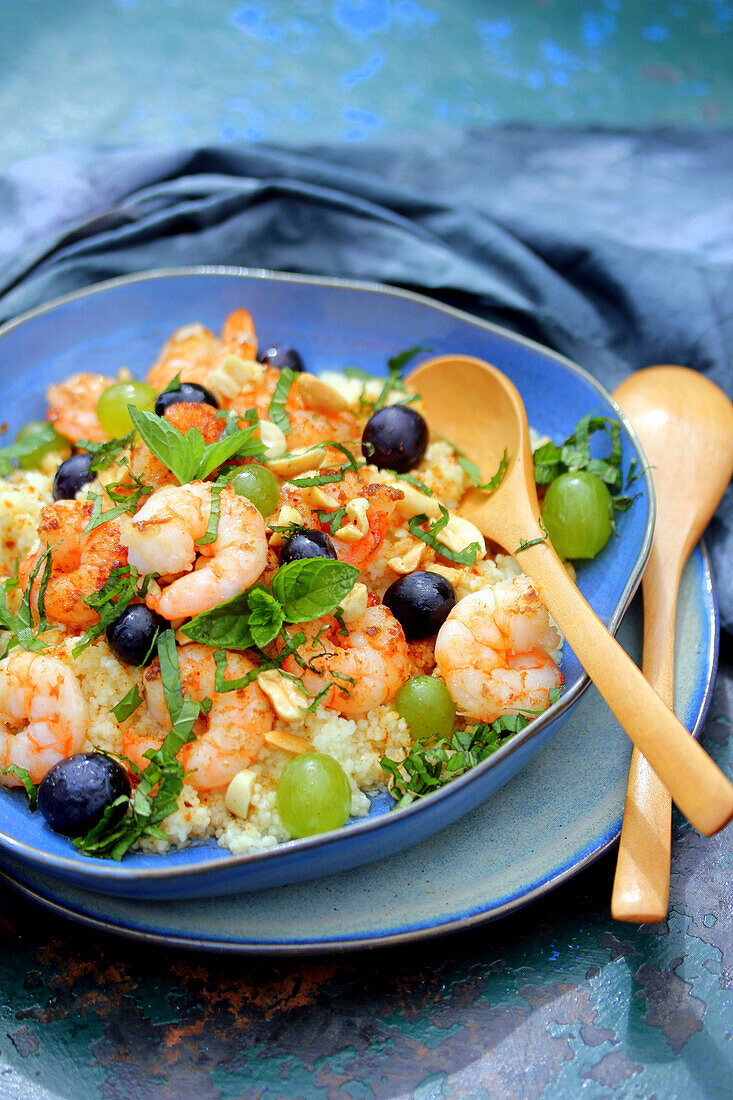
{"x": 685, "y": 425}
{"x": 473, "y": 403}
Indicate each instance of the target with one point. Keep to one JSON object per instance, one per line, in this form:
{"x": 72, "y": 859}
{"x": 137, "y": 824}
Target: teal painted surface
{"x": 189, "y": 71}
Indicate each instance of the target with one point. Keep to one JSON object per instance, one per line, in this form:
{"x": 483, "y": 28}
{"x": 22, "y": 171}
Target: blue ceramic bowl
{"x": 333, "y": 324}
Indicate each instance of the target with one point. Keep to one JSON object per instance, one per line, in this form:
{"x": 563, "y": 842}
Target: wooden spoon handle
{"x": 696, "y": 783}
{"x": 641, "y": 886}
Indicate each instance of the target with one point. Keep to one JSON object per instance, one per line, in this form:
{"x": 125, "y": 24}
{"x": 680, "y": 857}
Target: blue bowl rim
{"x": 96, "y": 873}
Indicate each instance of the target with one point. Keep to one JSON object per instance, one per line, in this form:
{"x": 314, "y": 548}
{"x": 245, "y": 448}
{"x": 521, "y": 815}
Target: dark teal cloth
{"x": 615, "y": 248}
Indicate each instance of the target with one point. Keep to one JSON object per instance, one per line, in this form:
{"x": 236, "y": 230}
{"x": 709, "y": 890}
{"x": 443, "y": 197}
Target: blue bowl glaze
{"x": 333, "y": 324}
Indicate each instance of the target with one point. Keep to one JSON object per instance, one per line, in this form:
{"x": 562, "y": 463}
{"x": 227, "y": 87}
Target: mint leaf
{"x": 45, "y": 434}
{"x": 30, "y": 787}
{"x": 185, "y": 454}
{"x": 266, "y": 616}
{"x": 104, "y": 454}
{"x": 474, "y": 473}
{"x": 276, "y": 410}
{"x": 127, "y": 705}
{"x": 467, "y": 556}
{"x": 312, "y": 587}
{"x": 225, "y": 626}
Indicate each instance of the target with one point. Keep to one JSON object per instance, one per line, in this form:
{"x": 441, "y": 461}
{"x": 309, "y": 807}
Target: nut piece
{"x": 452, "y": 575}
{"x": 286, "y": 696}
{"x": 286, "y": 515}
{"x": 409, "y": 560}
{"x": 317, "y": 394}
{"x": 357, "y": 524}
{"x": 288, "y": 742}
{"x": 317, "y": 498}
{"x": 298, "y": 461}
{"x": 273, "y": 440}
{"x": 355, "y": 603}
{"x": 460, "y": 533}
{"x": 415, "y": 503}
{"x": 239, "y": 793}
{"x": 234, "y": 376}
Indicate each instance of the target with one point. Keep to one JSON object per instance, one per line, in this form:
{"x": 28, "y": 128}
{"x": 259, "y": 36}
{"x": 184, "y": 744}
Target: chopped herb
{"x": 525, "y": 545}
{"x": 161, "y": 782}
{"x": 475, "y": 474}
{"x": 288, "y": 530}
{"x": 330, "y": 519}
{"x": 276, "y": 410}
{"x": 331, "y": 477}
{"x": 104, "y": 454}
{"x": 44, "y": 435}
{"x": 174, "y": 384}
{"x": 467, "y": 556}
{"x": 186, "y": 455}
{"x": 551, "y": 460}
{"x": 395, "y": 366}
{"x": 414, "y": 481}
{"x": 222, "y": 685}
{"x": 20, "y": 625}
{"x": 115, "y": 595}
{"x": 128, "y": 504}
{"x": 212, "y": 527}
{"x": 358, "y": 373}
{"x": 430, "y": 765}
{"x": 127, "y": 705}
{"x": 31, "y": 788}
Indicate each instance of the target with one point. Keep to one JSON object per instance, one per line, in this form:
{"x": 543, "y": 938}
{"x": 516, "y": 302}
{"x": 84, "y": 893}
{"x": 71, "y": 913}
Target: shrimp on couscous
{"x": 259, "y": 578}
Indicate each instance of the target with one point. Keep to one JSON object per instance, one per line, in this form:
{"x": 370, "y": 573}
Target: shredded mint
{"x": 45, "y": 434}
{"x": 20, "y": 625}
{"x": 119, "y": 590}
{"x": 160, "y": 783}
{"x": 395, "y": 367}
{"x": 31, "y": 788}
{"x": 104, "y": 454}
{"x": 431, "y": 764}
{"x": 474, "y": 473}
{"x": 467, "y": 556}
{"x": 276, "y": 410}
{"x": 127, "y": 705}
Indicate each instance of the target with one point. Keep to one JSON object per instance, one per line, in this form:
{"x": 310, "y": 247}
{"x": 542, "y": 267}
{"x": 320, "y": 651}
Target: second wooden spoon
{"x": 685, "y": 425}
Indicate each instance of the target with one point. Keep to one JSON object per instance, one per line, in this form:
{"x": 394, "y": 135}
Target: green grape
{"x": 577, "y": 514}
{"x": 425, "y": 704}
{"x": 47, "y": 441}
{"x": 259, "y": 485}
{"x": 313, "y": 795}
{"x": 112, "y": 406}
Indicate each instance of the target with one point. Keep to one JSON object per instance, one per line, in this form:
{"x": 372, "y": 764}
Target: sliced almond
{"x": 355, "y": 603}
{"x": 357, "y": 521}
{"x": 415, "y": 503}
{"x": 287, "y": 696}
{"x": 409, "y": 560}
{"x": 317, "y": 498}
{"x": 234, "y": 376}
{"x": 285, "y": 516}
{"x": 273, "y": 440}
{"x": 459, "y": 533}
{"x": 318, "y": 395}
{"x": 288, "y": 742}
{"x": 298, "y": 461}
{"x": 124, "y": 374}
{"x": 239, "y": 793}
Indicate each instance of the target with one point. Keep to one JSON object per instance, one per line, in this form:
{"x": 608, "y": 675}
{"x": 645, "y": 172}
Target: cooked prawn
{"x": 232, "y": 734}
{"x": 72, "y": 406}
{"x": 194, "y": 351}
{"x": 43, "y": 714}
{"x": 492, "y": 651}
{"x": 80, "y": 563}
{"x": 361, "y": 669}
{"x": 162, "y": 539}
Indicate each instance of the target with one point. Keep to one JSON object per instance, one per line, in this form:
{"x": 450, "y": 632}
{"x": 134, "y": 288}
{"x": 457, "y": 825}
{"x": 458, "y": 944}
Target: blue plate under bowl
{"x": 333, "y": 324}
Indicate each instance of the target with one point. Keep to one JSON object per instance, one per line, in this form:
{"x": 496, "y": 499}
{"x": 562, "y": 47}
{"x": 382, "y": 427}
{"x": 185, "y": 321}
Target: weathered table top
{"x": 555, "y": 999}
